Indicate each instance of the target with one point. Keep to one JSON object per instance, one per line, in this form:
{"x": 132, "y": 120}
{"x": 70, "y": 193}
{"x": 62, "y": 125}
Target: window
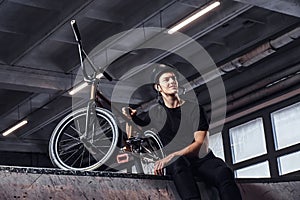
{"x": 286, "y": 126}
{"x": 247, "y": 140}
{"x": 216, "y": 145}
{"x": 289, "y": 163}
{"x": 260, "y": 170}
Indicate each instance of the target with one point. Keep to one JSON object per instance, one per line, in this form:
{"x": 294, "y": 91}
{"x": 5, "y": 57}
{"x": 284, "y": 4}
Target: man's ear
{"x": 157, "y": 87}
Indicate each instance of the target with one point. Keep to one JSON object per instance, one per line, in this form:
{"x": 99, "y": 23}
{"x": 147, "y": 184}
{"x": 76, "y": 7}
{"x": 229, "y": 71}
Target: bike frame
{"x": 92, "y": 80}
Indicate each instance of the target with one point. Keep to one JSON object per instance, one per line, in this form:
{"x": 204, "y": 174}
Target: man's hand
{"x": 161, "y": 164}
{"x": 191, "y": 150}
{"x": 128, "y": 112}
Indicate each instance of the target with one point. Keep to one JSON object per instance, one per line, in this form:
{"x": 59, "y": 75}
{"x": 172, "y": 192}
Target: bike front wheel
{"x": 73, "y": 148}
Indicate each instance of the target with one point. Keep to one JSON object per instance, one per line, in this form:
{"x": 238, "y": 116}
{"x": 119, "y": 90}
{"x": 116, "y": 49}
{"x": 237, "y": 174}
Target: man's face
{"x": 168, "y": 83}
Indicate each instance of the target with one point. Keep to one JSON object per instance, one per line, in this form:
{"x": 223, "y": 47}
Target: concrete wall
{"x": 289, "y": 190}
{"x": 34, "y": 183}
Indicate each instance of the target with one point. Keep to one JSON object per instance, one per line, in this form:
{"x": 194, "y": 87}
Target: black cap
{"x": 160, "y": 69}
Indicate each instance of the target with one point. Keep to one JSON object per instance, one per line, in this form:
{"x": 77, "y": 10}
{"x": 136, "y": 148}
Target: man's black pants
{"x": 211, "y": 169}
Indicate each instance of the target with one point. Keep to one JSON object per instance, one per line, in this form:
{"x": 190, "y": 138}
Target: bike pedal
{"x": 123, "y": 158}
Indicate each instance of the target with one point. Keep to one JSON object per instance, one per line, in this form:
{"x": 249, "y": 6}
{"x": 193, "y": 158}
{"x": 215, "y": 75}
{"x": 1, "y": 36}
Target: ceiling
{"x": 254, "y": 43}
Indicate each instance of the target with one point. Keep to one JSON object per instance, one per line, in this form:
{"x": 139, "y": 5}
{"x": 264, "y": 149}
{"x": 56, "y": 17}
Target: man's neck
{"x": 171, "y": 101}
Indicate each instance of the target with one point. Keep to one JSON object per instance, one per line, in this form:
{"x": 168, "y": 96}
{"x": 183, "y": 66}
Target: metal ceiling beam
{"x": 44, "y": 34}
{"x": 48, "y": 5}
{"x": 32, "y": 80}
{"x": 193, "y": 3}
{"x": 289, "y": 7}
{"x": 104, "y": 16}
{"x": 56, "y": 108}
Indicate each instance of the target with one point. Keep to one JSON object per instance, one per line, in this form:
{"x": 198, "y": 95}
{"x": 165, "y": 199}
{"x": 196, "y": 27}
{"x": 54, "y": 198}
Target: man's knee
{"x": 224, "y": 174}
{"x": 178, "y": 165}
{"x": 226, "y": 184}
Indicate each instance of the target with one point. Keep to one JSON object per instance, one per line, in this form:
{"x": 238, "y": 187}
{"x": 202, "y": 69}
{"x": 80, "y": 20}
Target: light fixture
{"x": 78, "y": 88}
{"x": 15, "y": 127}
{"x": 82, "y": 85}
{"x": 193, "y": 17}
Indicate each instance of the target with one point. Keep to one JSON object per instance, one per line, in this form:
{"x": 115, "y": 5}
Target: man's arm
{"x": 131, "y": 114}
{"x": 191, "y": 150}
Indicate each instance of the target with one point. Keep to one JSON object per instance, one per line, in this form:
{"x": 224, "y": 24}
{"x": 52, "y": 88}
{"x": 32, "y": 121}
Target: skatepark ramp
{"x": 42, "y": 183}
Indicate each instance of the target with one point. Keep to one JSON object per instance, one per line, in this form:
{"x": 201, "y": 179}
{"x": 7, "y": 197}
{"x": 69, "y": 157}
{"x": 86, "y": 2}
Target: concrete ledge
{"x": 285, "y": 188}
{"x": 28, "y": 183}
{"x": 41, "y": 183}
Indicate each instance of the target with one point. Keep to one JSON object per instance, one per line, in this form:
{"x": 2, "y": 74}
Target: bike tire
{"x": 154, "y": 152}
{"x": 70, "y": 151}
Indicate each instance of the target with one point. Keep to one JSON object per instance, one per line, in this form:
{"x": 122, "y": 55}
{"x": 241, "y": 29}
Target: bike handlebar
{"x": 76, "y": 30}
{"x": 81, "y": 51}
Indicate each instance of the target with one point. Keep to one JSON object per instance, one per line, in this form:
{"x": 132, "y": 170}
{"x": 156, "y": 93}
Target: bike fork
{"x": 90, "y": 113}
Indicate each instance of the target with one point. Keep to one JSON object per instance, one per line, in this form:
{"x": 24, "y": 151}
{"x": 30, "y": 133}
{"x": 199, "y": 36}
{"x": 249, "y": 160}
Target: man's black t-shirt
{"x": 175, "y": 126}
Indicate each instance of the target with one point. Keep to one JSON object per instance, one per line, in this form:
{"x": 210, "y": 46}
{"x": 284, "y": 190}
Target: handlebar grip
{"x": 78, "y": 39}
{"x": 106, "y": 75}
{"x": 75, "y": 30}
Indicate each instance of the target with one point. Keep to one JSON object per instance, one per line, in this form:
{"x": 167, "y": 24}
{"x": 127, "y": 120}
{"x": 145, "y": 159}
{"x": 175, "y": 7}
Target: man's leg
{"x": 216, "y": 172}
{"x": 180, "y": 170}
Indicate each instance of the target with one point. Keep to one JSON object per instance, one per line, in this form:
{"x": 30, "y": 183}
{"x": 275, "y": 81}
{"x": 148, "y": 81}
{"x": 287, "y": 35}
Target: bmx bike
{"x": 89, "y": 138}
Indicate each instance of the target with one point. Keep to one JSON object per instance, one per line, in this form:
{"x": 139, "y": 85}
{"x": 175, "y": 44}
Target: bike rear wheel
{"x": 152, "y": 151}
{"x": 71, "y": 149}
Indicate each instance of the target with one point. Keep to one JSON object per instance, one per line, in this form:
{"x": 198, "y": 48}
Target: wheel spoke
{"x": 78, "y": 125}
{"x": 81, "y": 161}
{"x": 78, "y": 158}
{"x": 103, "y": 131}
{"x": 74, "y": 138}
{"x": 66, "y": 147}
{"x": 62, "y": 153}
{"x": 77, "y": 131}
{"x": 73, "y": 154}
{"x": 104, "y": 139}
{"x": 89, "y": 156}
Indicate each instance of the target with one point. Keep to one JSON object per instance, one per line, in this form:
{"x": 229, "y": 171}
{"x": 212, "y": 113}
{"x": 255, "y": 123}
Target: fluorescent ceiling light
{"x": 78, "y": 88}
{"x": 82, "y": 85}
{"x": 193, "y": 17}
{"x": 15, "y": 127}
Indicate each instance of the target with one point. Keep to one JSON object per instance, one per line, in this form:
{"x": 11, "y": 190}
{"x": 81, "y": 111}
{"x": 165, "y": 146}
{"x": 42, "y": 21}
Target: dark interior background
{"x": 255, "y": 45}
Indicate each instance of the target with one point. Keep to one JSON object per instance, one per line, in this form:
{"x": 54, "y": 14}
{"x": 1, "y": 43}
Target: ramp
{"x": 41, "y": 183}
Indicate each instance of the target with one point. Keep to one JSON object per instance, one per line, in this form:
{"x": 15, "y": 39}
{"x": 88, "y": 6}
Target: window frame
{"x": 272, "y": 154}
